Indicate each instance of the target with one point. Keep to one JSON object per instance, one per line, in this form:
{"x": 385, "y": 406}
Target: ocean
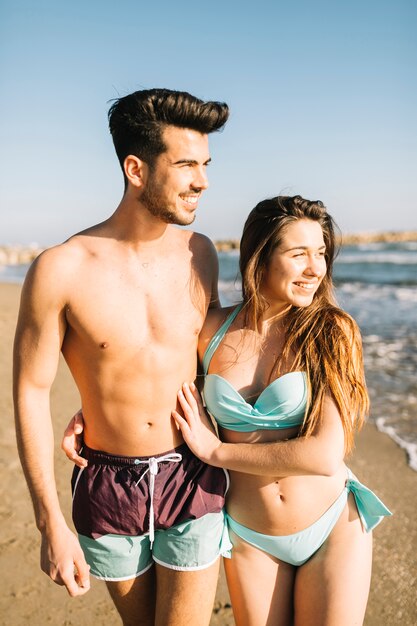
{"x": 377, "y": 284}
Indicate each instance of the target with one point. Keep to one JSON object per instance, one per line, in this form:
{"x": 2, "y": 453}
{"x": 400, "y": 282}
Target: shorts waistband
{"x": 100, "y": 457}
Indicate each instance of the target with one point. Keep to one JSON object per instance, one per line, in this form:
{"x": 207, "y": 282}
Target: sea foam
{"x": 409, "y": 447}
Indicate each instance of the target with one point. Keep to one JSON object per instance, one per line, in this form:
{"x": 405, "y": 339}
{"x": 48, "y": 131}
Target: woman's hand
{"x": 195, "y": 426}
{"x": 72, "y": 440}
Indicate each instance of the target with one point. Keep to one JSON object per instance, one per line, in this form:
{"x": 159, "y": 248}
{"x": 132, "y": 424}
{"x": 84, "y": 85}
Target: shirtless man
{"x": 125, "y": 301}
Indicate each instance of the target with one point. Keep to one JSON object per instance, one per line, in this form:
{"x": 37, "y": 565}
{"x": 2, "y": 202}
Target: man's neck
{"x": 133, "y": 223}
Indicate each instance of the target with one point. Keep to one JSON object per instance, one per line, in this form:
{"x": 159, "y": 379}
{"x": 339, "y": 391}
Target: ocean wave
{"x": 13, "y": 273}
{"x": 409, "y": 446}
{"x": 409, "y": 245}
{"x": 230, "y": 292}
{"x": 380, "y": 245}
{"x": 387, "y": 257}
{"x": 234, "y": 252}
{"x": 370, "y": 291}
{"x": 373, "y": 338}
{"x": 230, "y": 285}
{"x": 409, "y": 295}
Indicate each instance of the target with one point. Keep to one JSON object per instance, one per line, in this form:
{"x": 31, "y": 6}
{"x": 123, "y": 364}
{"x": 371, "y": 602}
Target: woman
{"x": 284, "y": 381}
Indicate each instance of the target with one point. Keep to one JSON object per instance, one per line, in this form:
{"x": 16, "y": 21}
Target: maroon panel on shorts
{"x": 108, "y": 500}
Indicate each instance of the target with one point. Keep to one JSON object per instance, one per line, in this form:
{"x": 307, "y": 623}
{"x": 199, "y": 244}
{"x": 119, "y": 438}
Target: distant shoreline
{"x": 21, "y": 255}
{"x": 346, "y": 240}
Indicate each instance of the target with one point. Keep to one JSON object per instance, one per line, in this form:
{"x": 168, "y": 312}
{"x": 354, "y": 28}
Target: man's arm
{"x": 212, "y": 261}
{"x": 39, "y": 335}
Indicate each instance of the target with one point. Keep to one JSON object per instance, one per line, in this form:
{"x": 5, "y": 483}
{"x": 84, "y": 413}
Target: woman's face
{"x": 296, "y": 267}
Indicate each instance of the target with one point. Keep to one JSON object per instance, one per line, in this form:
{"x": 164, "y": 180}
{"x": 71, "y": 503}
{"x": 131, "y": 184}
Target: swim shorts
{"x": 132, "y": 511}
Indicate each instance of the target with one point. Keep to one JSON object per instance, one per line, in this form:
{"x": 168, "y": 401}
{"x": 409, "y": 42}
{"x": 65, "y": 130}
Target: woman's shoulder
{"x": 214, "y": 320}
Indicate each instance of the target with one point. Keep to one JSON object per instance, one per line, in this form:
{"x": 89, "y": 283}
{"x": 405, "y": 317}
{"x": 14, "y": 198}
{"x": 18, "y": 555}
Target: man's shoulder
{"x": 201, "y": 246}
{"x": 196, "y": 239}
{"x": 62, "y": 256}
{"x": 60, "y": 266}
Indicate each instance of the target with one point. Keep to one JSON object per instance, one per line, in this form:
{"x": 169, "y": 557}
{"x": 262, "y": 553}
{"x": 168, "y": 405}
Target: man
{"x": 124, "y": 301}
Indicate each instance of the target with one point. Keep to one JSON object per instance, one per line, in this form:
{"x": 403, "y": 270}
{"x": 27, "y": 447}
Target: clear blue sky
{"x": 323, "y": 99}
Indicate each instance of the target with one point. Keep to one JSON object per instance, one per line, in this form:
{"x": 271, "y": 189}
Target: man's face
{"x": 178, "y": 176}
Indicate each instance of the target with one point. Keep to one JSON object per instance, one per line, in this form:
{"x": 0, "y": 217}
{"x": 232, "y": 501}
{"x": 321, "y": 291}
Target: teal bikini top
{"x": 281, "y": 405}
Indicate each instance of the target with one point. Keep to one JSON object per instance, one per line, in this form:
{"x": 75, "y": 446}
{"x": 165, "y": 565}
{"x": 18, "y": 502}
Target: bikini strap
{"x": 218, "y": 336}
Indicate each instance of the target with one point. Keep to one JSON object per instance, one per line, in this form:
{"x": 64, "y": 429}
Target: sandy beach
{"x": 29, "y": 597}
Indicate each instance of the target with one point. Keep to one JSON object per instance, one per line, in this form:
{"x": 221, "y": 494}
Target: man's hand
{"x": 62, "y": 559}
{"x": 72, "y": 440}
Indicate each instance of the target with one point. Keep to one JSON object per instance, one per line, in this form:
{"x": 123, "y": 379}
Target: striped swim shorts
{"x": 130, "y": 512}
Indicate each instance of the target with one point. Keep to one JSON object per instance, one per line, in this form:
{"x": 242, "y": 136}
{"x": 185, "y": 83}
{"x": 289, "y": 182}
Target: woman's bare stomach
{"x": 279, "y": 505}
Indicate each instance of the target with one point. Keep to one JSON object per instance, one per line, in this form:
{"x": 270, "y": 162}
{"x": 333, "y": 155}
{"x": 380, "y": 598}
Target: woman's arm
{"x": 320, "y": 454}
{"x": 72, "y": 440}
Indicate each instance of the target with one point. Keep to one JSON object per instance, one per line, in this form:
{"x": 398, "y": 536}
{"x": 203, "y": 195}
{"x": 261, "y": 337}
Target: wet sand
{"x": 29, "y": 597}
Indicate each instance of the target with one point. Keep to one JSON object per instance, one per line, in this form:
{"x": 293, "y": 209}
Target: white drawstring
{"x": 153, "y": 468}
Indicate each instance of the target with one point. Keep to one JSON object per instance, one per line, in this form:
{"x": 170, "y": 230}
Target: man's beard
{"x": 156, "y": 205}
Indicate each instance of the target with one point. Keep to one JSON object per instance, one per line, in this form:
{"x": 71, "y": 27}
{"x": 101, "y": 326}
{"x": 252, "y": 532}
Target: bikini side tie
{"x": 370, "y": 508}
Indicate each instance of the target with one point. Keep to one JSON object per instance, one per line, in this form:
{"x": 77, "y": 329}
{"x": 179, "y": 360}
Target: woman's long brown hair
{"x": 321, "y": 339}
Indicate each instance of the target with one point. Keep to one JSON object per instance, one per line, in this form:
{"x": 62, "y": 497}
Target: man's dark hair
{"x": 137, "y": 120}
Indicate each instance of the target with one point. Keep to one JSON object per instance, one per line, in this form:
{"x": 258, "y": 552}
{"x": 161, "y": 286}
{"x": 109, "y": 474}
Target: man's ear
{"x": 136, "y": 171}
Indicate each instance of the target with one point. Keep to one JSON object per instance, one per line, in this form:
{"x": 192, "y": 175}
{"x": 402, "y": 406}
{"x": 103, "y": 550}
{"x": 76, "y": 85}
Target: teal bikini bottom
{"x": 297, "y": 548}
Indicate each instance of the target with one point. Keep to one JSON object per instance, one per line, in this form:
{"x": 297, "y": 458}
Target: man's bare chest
{"x": 128, "y": 314}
